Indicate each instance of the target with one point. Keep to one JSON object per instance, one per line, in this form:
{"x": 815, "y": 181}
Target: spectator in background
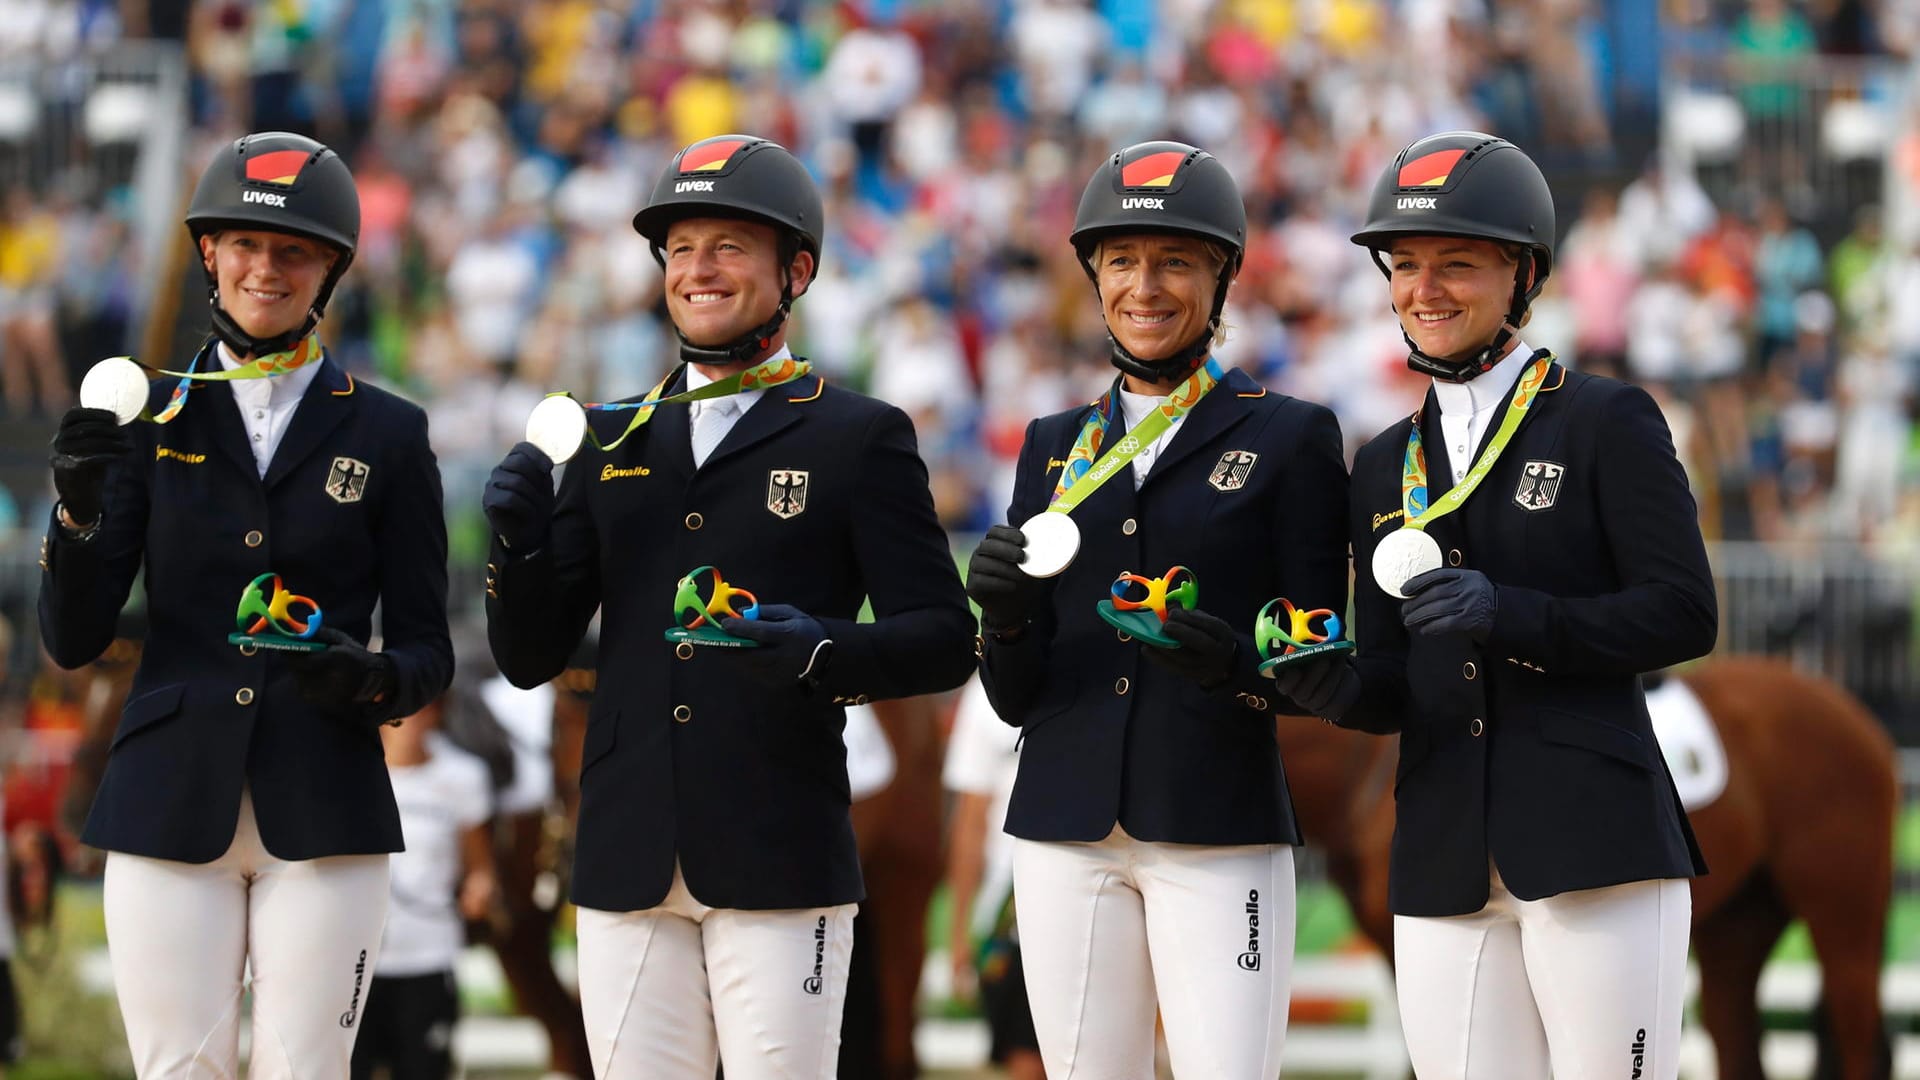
{"x": 1770, "y": 45}
{"x": 33, "y": 376}
{"x": 1599, "y": 280}
{"x": 872, "y": 74}
{"x": 1661, "y": 212}
{"x": 1786, "y": 263}
{"x": 1856, "y": 271}
{"x": 444, "y": 876}
{"x": 1876, "y": 393}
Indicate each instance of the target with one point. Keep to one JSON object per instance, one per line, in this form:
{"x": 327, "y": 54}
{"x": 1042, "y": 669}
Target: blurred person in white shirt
{"x": 443, "y": 878}
{"x": 1876, "y": 394}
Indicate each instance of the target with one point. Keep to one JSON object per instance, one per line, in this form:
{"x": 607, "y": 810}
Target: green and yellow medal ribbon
{"x": 306, "y": 352}
{"x": 761, "y": 376}
{"x": 1082, "y": 475}
{"x": 1413, "y": 472}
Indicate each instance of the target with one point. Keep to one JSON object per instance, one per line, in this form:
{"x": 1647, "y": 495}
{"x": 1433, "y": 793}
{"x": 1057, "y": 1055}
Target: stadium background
{"x": 1738, "y": 186}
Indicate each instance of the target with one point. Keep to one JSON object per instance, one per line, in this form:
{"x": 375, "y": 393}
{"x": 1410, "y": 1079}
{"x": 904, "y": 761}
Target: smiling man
{"x": 715, "y": 867}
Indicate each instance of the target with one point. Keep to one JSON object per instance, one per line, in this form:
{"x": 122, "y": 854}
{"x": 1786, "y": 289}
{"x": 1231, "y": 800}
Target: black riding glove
{"x": 519, "y": 498}
{"x": 1008, "y": 596}
{"x": 88, "y": 443}
{"x": 1449, "y": 601}
{"x": 793, "y": 645}
{"x": 1326, "y": 685}
{"x": 344, "y": 675}
{"x": 1207, "y": 647}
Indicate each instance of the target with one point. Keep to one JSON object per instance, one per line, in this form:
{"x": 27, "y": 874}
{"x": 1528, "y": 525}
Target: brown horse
{"x": 899, "y": 830}
{"x": 1803, "y": 829}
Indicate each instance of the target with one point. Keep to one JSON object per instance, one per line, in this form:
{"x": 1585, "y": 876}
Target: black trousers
{"x": 407, "y": 1026}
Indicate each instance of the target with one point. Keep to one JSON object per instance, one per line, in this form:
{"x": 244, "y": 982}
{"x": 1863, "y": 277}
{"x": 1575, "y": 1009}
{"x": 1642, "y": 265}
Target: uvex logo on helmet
{"x": 1426, "y": 173}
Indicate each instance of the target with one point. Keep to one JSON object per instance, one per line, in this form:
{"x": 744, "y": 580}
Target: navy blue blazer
{"x": 1535, "y": 748}
{"x": 817, "y": 498}
{"x": 349, "y": 514}
{"x": 1250, "y": 494}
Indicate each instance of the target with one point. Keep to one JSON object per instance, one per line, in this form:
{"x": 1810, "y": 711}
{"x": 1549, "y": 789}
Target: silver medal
{"x": 1052, "y": 542}
{"x": 118, "y": 385}
{"x": 558, "y": 426}
{"x": 1402, "y": 556}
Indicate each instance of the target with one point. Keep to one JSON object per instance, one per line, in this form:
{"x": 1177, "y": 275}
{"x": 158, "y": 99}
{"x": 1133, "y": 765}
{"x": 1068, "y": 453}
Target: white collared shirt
{"x": 1466, "y": 409}
{"x": 1135, "y": 408}
{"x": 266, "y": 405}
{"x": 743, "y": 401}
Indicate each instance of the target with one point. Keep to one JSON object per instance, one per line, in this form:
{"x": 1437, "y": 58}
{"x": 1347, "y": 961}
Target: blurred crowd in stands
{"x": 502, "y": 146}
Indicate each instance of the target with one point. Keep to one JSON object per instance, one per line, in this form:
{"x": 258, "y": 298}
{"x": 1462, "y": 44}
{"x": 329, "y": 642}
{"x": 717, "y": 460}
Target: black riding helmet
{"x": 1465, "y": 183}
{"x": 738, "y": 176}
{"x": 1163, "y": 187}
{"x": 281, "y": 182}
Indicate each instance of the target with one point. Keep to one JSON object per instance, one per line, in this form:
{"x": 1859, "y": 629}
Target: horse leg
{"x": 525, "y": 950}
{"x": 1848, "y": 924}
{"x": 1827, "y": 1064}
{"x": 1732, "y": 945}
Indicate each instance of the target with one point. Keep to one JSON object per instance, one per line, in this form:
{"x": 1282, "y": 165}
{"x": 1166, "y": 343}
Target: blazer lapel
{"x": 1554, "y": 377}
{"x": 328, "y": 400}
{"x": 778, "y": 409}
{"x": 1433, "y": 442}
{"x": 209, "y": 408}
{"x": 1222, "y": 408}
{"x": 214, "y": 403}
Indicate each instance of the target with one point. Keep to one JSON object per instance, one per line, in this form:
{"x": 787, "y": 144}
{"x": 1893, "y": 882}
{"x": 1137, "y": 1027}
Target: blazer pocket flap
{"x": 599, "y": 739}
{"x": 1572, "y": 729}
{"x": 148, "y": 709}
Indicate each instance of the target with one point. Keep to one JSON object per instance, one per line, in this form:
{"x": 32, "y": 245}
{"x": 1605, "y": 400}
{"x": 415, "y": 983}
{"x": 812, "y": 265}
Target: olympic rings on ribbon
{"x": 1131, "y": 591}
{"x": 719, "y": 602}
{"x": 1298, "y": 633}
{"x": 275, "y": 612}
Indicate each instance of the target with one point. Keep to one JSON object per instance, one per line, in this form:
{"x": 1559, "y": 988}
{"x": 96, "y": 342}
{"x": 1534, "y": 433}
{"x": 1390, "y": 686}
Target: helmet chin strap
{"x": 1459, "y": 371}
{"x": 1182, "y": 363}
{"x": 747, "y": 347}
{"x": 244, "y": 344}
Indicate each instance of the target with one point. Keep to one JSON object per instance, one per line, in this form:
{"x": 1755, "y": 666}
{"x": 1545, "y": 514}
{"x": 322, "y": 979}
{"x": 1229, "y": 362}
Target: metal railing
{"x": 1820, "y": 130}
{"x": 99, "y": 122}
{"x": 1839, "y": 610}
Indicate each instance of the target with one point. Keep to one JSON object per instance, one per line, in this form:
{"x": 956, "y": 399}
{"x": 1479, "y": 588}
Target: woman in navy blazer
{"x": 245, "y": 805}
{"x": 1540, "y": 853}
{"x": 1154, "y": 830}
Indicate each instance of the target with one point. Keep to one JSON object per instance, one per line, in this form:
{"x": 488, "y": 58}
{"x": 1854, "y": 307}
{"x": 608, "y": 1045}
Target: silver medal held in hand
{"x": 118, "y": 385}
{"x": 558, "y": 426}
{"x": 1401, "y": 556}
{"x": 1052, "y": 542}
